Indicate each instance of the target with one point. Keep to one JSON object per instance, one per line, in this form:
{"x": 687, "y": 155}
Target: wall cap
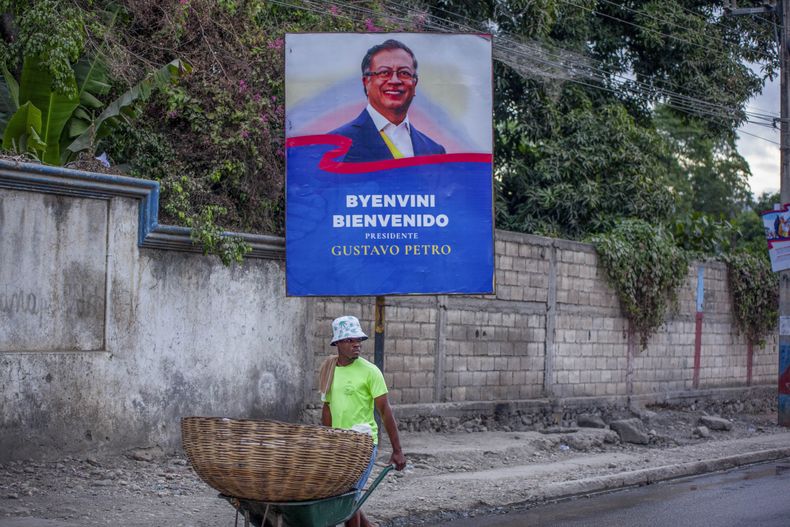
{"x": 16, "y": 175}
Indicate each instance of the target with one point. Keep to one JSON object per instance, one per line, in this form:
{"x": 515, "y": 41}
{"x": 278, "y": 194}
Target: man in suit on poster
{"x": 382, "y": 130}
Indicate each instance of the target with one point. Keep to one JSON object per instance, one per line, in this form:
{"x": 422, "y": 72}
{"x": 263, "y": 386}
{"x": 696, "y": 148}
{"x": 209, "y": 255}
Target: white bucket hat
{"x": 346, "y": 328}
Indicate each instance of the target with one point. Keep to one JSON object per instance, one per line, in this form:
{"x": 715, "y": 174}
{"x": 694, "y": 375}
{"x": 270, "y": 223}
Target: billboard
{"x": 389, "y": 164}
{"x": 776, "y": 224}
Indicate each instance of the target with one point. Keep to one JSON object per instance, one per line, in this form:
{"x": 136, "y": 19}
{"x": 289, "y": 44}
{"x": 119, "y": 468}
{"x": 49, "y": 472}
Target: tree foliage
{"x": 708, "y": 174}
{"x": 668, "y": 90}
{"x": 634, "y": 80}
{"x": 595, "y": 169}
{"x": 217, "y": 139}
{"x": 53, "y": 91}
{"x": 53, "y": 30}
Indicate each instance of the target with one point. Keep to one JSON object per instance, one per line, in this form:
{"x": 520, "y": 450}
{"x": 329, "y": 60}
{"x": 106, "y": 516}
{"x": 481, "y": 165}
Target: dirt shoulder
{"x": 449, "y": 474}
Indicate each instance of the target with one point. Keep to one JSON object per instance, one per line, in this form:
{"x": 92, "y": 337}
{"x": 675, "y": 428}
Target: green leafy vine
{"x": 646, "y": 268}
{"x": 207, "y": 234}
{"x": 755, "y": 295}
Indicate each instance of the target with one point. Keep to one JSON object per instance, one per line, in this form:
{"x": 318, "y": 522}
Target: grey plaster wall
{"x": 104, "y": 345}
{"x": 42, "y": 310}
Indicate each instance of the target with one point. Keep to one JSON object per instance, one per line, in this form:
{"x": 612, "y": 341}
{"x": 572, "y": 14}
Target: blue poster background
{"x": 462, "y": 190}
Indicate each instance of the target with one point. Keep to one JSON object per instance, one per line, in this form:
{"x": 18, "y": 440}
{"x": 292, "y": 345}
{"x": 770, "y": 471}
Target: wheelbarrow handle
{"x": 371, "y": 488}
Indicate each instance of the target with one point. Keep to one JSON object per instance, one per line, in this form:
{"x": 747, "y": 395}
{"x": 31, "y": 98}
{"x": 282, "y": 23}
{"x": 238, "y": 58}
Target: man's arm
{"x": 385, "y": 411}
{"x": 326, "y": 415}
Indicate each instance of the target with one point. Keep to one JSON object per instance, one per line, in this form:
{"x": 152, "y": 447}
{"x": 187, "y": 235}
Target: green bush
{"x": 755, "y": 295}
{"x": 646, "y": 269}
{"x": 216, "y": 139}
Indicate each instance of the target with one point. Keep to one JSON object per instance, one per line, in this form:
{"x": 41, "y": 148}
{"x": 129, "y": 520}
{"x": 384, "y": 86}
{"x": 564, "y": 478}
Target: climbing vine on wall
{"x": 646, "y": 269}
{"x": 755, "y": 295}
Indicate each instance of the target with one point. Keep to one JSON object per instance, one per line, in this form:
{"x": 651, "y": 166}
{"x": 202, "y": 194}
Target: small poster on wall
{"x": 777, "y": 231}
{"x": 389, "y": 185}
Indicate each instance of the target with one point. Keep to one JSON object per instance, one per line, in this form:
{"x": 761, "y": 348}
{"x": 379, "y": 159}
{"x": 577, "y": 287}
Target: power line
{"x": 593, "y": 11}
{"x": 677, "y": 101}
{"x": 705, "y": 19}
{"x": 757, "y": 136}
{"x": 444, "y": 24}
{"x": 672, "y": 23}
{"x": 606, "y": 73}
{"x": 654, "y": 17}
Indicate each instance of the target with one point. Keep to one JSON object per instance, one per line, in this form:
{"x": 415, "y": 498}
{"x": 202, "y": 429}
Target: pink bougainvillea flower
{"x": 242, "y": 86}
{"x": 370, "y": 26}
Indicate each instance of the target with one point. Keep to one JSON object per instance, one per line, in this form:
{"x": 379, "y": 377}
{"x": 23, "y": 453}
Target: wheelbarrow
{"x": 325, "y": 512}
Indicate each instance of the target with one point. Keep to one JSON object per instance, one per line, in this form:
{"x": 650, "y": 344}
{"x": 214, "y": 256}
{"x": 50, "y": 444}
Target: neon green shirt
{"x": 350, "y": 399}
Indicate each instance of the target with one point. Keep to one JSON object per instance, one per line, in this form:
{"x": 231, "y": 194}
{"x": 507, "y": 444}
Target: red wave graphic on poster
{"x": 329, "y": 163}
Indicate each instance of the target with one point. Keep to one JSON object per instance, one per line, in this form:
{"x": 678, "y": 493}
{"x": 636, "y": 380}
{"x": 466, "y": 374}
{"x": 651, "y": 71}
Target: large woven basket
{"x": 273, "y": 461}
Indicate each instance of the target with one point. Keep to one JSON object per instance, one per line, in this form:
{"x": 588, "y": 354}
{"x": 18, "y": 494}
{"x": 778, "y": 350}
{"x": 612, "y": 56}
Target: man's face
{"x": 388, "y": 94}
{"x": 348, "y": 350}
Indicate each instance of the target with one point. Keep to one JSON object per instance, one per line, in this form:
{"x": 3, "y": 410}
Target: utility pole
{"x": 784, "y": 276}
{"x": 783, "y": 13}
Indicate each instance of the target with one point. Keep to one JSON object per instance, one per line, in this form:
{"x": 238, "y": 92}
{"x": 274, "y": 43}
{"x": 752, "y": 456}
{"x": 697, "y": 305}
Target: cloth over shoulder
{"x": 326, "y": 375}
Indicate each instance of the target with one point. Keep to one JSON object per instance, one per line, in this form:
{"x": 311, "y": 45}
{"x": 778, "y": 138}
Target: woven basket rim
{"x": 323, "y": 428}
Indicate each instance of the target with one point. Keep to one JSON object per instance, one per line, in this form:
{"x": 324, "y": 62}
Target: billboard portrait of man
{"x": 389, "y": 165}
{"x": 333, "y": 78}
{"x": 383, "y": 130}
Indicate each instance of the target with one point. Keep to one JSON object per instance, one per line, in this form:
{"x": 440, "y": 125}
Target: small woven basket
{"x": 273, "y": 461}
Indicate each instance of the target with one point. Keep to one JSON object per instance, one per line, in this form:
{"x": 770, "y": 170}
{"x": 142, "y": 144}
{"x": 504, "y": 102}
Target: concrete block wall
{"x": 522, "y": 270}
{"x": 667, "y": 364}
{"x": 554, "y": 328}
{"x": 724, "y": 361}
{"x": 491, "y": 355}
{"x": 590, "y": 336}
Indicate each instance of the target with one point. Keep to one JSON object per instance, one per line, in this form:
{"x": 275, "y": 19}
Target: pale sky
{"x": 763, "y": 156}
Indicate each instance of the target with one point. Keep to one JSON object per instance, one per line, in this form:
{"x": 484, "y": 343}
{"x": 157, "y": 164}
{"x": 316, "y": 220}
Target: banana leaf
{"x": 102, "y": 125}
{"x": 56, "y": 108}
{"x": 92, "y": 81}
{"x": 91, "y": 75}
{"x": 23, "y": 131}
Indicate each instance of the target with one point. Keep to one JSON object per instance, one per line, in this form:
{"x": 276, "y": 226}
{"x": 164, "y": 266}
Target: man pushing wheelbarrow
{"x": 276, "y": 473}
{"x": 351, "y": 387}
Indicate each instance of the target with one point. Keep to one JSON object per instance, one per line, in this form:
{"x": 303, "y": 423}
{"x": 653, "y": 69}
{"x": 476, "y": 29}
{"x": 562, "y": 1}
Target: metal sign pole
{"x": 378, "y": 350}
{"x": 784, "y": 276}
{"x": 378, "y": 345}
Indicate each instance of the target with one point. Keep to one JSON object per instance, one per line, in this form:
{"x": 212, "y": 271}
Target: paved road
{"x": 756, "y": 496}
